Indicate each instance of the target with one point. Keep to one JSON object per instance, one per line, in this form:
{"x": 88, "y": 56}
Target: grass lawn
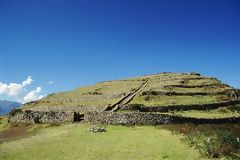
{"x": 118, "y": 143}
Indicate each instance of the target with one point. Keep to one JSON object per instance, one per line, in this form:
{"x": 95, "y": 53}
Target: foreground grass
{"x": 119, "y": 142}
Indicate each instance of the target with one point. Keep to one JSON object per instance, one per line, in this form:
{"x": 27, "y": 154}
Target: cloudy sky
{"x": 57, "y": 45}
{"x": 19, "y": 92}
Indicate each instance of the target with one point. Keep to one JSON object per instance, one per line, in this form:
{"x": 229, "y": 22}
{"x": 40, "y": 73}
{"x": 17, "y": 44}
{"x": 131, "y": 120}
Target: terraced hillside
{"x": 181, "y": 94}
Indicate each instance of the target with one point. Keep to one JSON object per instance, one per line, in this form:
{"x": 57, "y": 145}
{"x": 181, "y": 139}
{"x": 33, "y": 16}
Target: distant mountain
{"x": 7, "y": 106}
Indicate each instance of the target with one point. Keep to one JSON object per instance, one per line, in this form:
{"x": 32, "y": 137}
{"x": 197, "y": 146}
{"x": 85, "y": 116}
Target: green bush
{"x": 211, "y": 140}
{"x": 223, "y": 110}
{"x": 214, "y": 145}
{"x": 147, "y": 98}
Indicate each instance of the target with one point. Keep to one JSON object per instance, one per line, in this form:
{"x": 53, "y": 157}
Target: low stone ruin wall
{"x": 137, "y": 118}
{"x": 31, "y": 117}
{"x": 189, "y": 86}
{"x": 172, "y": 93}
{"x": 67, "y": 108}
{"x": 143, "y": 108}
{"x": 109, "y": 117}
{"x": 118, "y": 118}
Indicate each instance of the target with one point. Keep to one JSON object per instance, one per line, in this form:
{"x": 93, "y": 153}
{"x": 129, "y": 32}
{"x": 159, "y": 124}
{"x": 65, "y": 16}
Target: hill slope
{"x": 163, "y": 89}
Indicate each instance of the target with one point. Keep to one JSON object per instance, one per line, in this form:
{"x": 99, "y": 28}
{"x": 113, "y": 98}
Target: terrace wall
{"x": 143, "y": 108}
{"x": 138, "y": 118}
{"x": 31, "y": 117}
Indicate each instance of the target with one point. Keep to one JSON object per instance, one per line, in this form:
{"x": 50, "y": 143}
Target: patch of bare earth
{"x": 15, "y": 132}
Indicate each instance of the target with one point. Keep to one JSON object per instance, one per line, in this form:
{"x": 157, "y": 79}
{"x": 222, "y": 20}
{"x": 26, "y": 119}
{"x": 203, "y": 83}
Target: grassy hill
{"x": 163, "y": 89}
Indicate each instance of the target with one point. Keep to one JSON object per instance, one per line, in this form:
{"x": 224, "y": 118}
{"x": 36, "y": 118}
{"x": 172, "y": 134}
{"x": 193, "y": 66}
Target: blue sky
{"x": 80, "y": 42}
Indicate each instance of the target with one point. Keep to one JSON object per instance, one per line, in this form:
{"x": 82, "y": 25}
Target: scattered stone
{"x": 96, "y": 129}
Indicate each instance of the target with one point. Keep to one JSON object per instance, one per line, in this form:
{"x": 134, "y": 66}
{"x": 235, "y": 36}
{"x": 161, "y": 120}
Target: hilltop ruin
{"x": 154, "y": 99}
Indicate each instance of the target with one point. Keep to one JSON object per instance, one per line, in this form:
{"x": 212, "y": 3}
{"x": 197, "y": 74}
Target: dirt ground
{"x": 15, "y": 132}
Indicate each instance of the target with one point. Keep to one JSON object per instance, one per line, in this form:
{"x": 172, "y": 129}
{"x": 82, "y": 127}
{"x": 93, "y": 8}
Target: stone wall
{"x": 189, "y": 86}
{"x": 118, "y": 118}
{"x": 138, "y": 118}
{"x": 67, "y": 108}
{"x": 172, "y": 93}
{"x": 30, "y": 117}
{"x": 146, "y": 116}
{"x": 143, "y": 108}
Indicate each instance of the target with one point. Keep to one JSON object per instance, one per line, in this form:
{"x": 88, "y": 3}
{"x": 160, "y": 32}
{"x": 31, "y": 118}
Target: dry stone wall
{"x": 140, "y": 115}
{"x": 67, "y": 108}
{"x": 171, "y": 93}
{"x": 138, "y": 118}
{"x": 31, "y": 117}
{"x": 142, "y": 108}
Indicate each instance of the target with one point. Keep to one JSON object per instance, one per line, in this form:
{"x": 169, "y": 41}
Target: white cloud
{"x": 14, "y": 89}
{"x": 28, "y": 81}
{"x": 18, "y": 91}
{"x": 33, "y": 95}
{"x": 50, "y": 82}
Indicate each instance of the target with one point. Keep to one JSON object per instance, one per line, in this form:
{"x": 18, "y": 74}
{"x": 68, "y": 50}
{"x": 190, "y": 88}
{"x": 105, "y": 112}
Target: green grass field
{"x": 72, "y": 142}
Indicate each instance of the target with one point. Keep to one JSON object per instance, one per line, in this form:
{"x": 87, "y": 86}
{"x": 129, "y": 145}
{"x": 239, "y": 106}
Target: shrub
{"x": 215, "y": 145}
{"x": 147, "y": 98}
{"x": 213, "y": 141}
{"x": 223, "y": 110}
{"x": 223, "y": 98}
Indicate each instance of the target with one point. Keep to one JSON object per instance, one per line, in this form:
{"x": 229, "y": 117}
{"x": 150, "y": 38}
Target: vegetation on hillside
{"x": 118, "y": 142}
{"x": 161, "y": 89}
{"x": 213, "y": 141}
